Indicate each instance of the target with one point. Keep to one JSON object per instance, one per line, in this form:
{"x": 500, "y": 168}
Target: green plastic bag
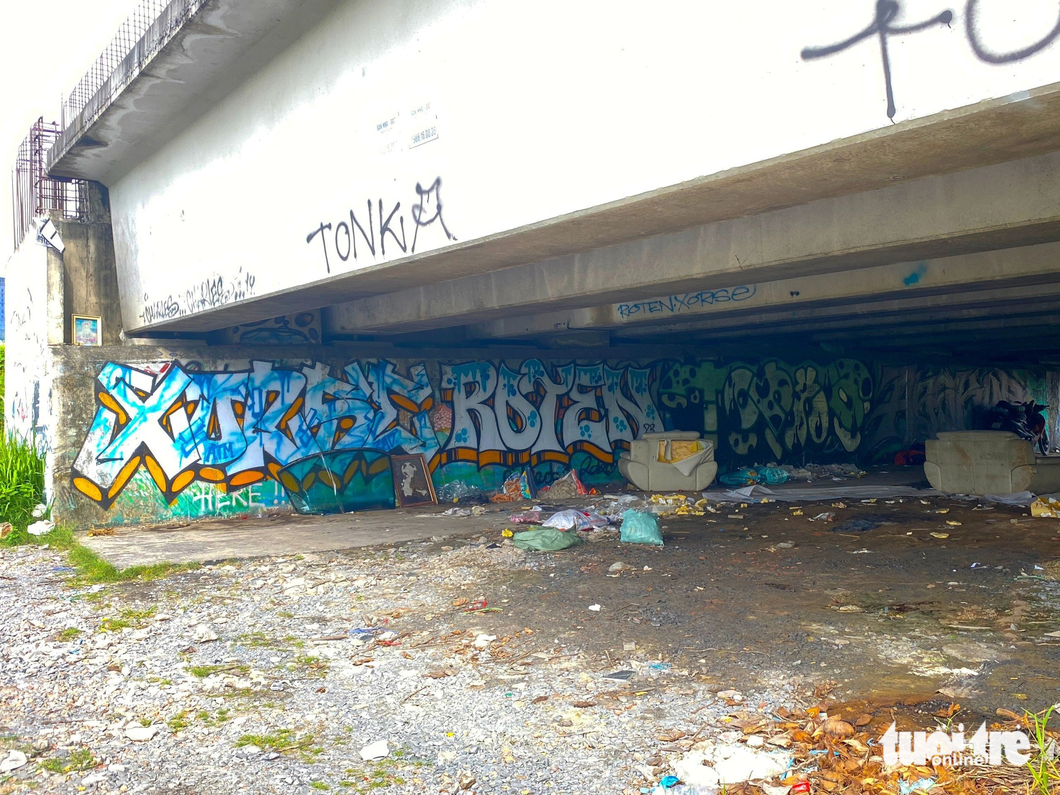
{"x": 641, "y": 528}
{"x": 546, "y": 539}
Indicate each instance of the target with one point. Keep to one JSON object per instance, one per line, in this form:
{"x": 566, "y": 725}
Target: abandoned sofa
{"x": 988, "y": 462}
{"x": 669, "y": 461}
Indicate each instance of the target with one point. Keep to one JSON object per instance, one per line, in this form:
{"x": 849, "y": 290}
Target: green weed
{"x": 1043, "y": 764}
{"x": 21, "y": 484}
{"x": 280, "y": 741}
{"x": 68, "y": 634}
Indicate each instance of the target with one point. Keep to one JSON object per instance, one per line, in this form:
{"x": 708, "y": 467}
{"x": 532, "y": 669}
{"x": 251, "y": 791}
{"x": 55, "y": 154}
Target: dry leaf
{"x": 583, "y": 704}
{"x": 834, "y": 727}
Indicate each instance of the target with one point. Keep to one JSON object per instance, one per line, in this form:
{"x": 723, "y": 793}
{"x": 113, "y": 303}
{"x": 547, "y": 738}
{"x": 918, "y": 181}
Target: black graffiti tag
{"x": 881, "y": 27}
{"x": 425, "y": 212}
{"x": 419, "y": 210}
{"x": 984, "y": 54}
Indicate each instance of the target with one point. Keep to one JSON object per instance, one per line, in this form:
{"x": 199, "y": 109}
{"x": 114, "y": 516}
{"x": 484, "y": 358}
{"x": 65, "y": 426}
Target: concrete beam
{"x": 1015, "y": 203}
{"x": 978, "y": 275}
{"x": 896, "y": 321}
{"x": 988, "y": 302}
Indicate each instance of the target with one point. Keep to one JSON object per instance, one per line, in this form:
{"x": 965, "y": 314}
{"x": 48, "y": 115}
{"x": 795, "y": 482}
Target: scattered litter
{"x": 668, "y": 782}
{"x": 515, "y": 488}
{"x": 506, "y": 533}
{"x": 546, "y": 539}
{"x": 527, "y": 517}
{"x": 800, "y": 493}
{"x": 641, "y": 528}
{"x": 940, "y": 535}
{"x": 594, "y": 608}
{"x": 951, "y": 523}
{"x": 920, "y": 785}
{"x": 140, "y": 734}
{"x": 823, "y": 517}
{"x": 567, "y": 487}
{"x": 619, "y": 676}
{"x": 617, "y": 566}
{"x": 857, "y": 525}
{"x": 40, "y": 528}
{"x": 13, "y": 761}
{"x": 375, "y": 751}
{"x": 1019, "y": 498}
{"x": 749, "y": 477}
{"x": 1046, "y": 507}
{"x": 576, "y": 520}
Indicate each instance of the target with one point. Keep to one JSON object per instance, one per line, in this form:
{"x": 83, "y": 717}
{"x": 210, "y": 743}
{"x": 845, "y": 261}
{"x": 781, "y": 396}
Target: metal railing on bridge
{"x": 33, "y": 192}
{"x": 139, "y": 26}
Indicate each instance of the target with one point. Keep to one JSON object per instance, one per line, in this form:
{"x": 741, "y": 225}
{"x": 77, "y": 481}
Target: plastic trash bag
{"x": 641, "y": 528}
{"x": 575, "y": 520}
{"x": 546, "y": 539}
{"x": 748, "y": 477}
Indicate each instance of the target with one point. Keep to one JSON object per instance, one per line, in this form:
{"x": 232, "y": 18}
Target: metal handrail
{"x": 139, "y": 26}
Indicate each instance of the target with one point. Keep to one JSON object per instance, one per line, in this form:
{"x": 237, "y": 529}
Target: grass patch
{"x": 79, "y": 760}
{"x": 68, "y": 634}
{"x": 279, "y": 741}
{"x": 139, "y": 616}
{"x": 221, "y": 716}
{"x": 113, "y": 625}
{"x": 258, "y": 640}
{"x": 21, "y": 484}
{"x": 320, "y": 785}
{"x": 90, "y": 567}
{"x": 1043, "y": 765}
{"x": 315, "y": 667}
{"x": 202, "y": 671}
{"x": 178, "y": 722}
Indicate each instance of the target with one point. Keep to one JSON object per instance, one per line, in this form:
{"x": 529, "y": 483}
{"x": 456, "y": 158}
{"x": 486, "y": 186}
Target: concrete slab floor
{"x": 284, "y": 534}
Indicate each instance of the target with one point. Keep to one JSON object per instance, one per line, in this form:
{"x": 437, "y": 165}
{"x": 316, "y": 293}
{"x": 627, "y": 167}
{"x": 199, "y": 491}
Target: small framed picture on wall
{"x": 86, "y": 330}
{"x": 412, "y": 481}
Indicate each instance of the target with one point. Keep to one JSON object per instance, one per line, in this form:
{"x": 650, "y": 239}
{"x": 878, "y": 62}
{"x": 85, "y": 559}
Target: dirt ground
{"x": 756, "y": 593}
{"x": 531, "y": 672}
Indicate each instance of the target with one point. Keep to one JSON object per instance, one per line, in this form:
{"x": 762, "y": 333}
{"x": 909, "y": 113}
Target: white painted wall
{"x": 28, "y": 410}
{"x": 541, "y": 109}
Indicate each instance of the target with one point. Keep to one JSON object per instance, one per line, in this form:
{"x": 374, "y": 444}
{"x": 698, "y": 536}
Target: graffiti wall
{"x": 180, "y": 439}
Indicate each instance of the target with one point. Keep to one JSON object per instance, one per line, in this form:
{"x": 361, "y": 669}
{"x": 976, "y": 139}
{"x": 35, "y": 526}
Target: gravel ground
{"x": 271, "y": 676}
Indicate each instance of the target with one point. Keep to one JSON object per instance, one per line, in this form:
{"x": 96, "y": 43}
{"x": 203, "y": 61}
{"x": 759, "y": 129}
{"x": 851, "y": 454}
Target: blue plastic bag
{"x": 641, "y": 528}
{"x": 749, "y": 477}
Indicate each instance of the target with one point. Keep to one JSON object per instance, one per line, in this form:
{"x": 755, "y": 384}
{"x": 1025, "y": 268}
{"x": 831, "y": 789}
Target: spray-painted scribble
{"x": 687, "y": 302}
{"x": 339, "y": 239}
